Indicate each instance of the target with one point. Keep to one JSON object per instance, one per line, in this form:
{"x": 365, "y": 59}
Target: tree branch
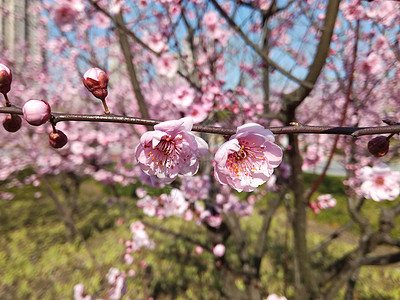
{"x": 125, "y": 47}
{"x": 257, "y": 49}
{"x": 112, "y": 118}
{"x": 295, "y": 98}
{"x": 382, "y": 260}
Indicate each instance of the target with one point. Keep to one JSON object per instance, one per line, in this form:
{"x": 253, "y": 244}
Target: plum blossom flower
{"x": 65, "y": 13}
{"x": 324, "y": 201}
{"x": 117, "y": 279}
{"x": 170, "y": 150}
{"x": 380, "y": 183}
{"x": 79, "y": 293}
{"x": 199, "y": 250}
{"x": 167, "y": 65}
{"x": 372, "y": 64}
{"x": 219, "y": 250}
{"x": 248, "y": 159}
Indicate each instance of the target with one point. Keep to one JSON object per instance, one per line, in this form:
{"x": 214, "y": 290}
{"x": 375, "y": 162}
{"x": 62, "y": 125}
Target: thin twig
{"x": 112, "y": 118}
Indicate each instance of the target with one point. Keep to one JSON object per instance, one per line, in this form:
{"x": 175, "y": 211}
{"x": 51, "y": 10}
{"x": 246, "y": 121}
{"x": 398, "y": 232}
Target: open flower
{"x": 380, "y": 183}
{"x": 248, "y": 159}
{"x": 170, "y": 149}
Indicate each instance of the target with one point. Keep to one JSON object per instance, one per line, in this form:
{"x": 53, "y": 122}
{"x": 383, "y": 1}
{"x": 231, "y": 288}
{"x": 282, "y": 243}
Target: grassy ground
{"x": 37, "y": 262}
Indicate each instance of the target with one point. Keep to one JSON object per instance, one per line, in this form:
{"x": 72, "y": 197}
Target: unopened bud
{"x": 36, "y": 112}
{"x": 5, "y": 79}
{"x": 12, "y": 123}
{"x": 378, "y": 146}
{"x": 57, "y": 139}
{"x": 96, "y": 81}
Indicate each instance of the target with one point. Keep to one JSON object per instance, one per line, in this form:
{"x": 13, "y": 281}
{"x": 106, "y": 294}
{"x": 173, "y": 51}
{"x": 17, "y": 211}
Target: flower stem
{"x": 8, "y": 104}
{"x": 106, "y": 110}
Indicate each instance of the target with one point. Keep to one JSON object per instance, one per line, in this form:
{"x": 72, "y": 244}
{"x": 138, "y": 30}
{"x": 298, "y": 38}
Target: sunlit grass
{"x": 37, "y": 261}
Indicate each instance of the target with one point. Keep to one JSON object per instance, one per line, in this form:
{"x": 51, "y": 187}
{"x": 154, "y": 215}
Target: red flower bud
{"x": 5, "y": 79}
{"x": 96, "y": 81}
{"x": 378, "y": 146}
{"x": 36, "y": 112}
{"x": 12, "y": 123}
{"x": 57, "y": 139}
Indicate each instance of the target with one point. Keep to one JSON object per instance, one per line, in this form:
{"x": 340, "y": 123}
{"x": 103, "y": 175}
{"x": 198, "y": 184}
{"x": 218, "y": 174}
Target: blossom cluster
{"x": 188, "y": 202}
{"x": 244, "y": 162}
{"x": 380, "y": 183}
{"x": 116, "y": 280}
{"x": 324, "y": 201}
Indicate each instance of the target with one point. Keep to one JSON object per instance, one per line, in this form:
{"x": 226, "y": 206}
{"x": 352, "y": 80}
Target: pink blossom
{"x": 170, "y": 150}
{"x": 5, "y": 79}
{"x": 79, "y": 293}
{"x": 263, "y": 4}
{"x": 36, "y": 112}
{"x": 315, "y": 207}
{"x": 188, "y": 216}
{"x": 96, "y": 81}
{"x": 6, "y": 195}
{"x": 167, "y": 65}
{"x": 140, "y": 238}
{"x": 323, "y": 202}
{"x": 248, "y": 159}
{"x": 199, "y": 112}
{"x": 199, "y": 250}
{"x": 352, "y": 10}
{"x": 155, "y": 41}
{"x": 112, "y": 275}
{"x": 219, "y": 250}
{"x": 326, "y": 201}
{"x": 118, "y": 289}
{"x": 196, "y": 188}
{"x": 101, "y": 20}
{"x": 372, "y": 65}
{"x": 64, "y": 14}
{"x": 380, "y": 183}
{"x": 149, "y": 206}
{"x": 175, "y": 204}
{"x": 214, "y": 221}
{"x": 210, "y": 19}
{"x": 128, "y": 259}
{"x": 183, "y": 97}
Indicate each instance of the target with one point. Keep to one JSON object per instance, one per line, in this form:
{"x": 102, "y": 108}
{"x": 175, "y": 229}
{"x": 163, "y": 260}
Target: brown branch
{"x": 382, "y": 260}
{"x": 257, "y": 49}
{"x": 122, "y": 27}
{"x": 126, "y": 50}
{"x": 343, "y": 118}
{"x": 112, "y": 118}
{"x": 294, "y": 99}
{"x": 273, "y": 204}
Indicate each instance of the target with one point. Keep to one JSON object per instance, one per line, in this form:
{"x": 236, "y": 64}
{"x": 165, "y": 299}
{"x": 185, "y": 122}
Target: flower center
{"x": 379, "y": 180}
{"x": 166, "y": 146}
{"x": 247, "y": 160}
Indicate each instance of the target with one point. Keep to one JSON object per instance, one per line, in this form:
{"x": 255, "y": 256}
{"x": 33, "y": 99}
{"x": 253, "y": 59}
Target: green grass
{"x": 37, "y": 261}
